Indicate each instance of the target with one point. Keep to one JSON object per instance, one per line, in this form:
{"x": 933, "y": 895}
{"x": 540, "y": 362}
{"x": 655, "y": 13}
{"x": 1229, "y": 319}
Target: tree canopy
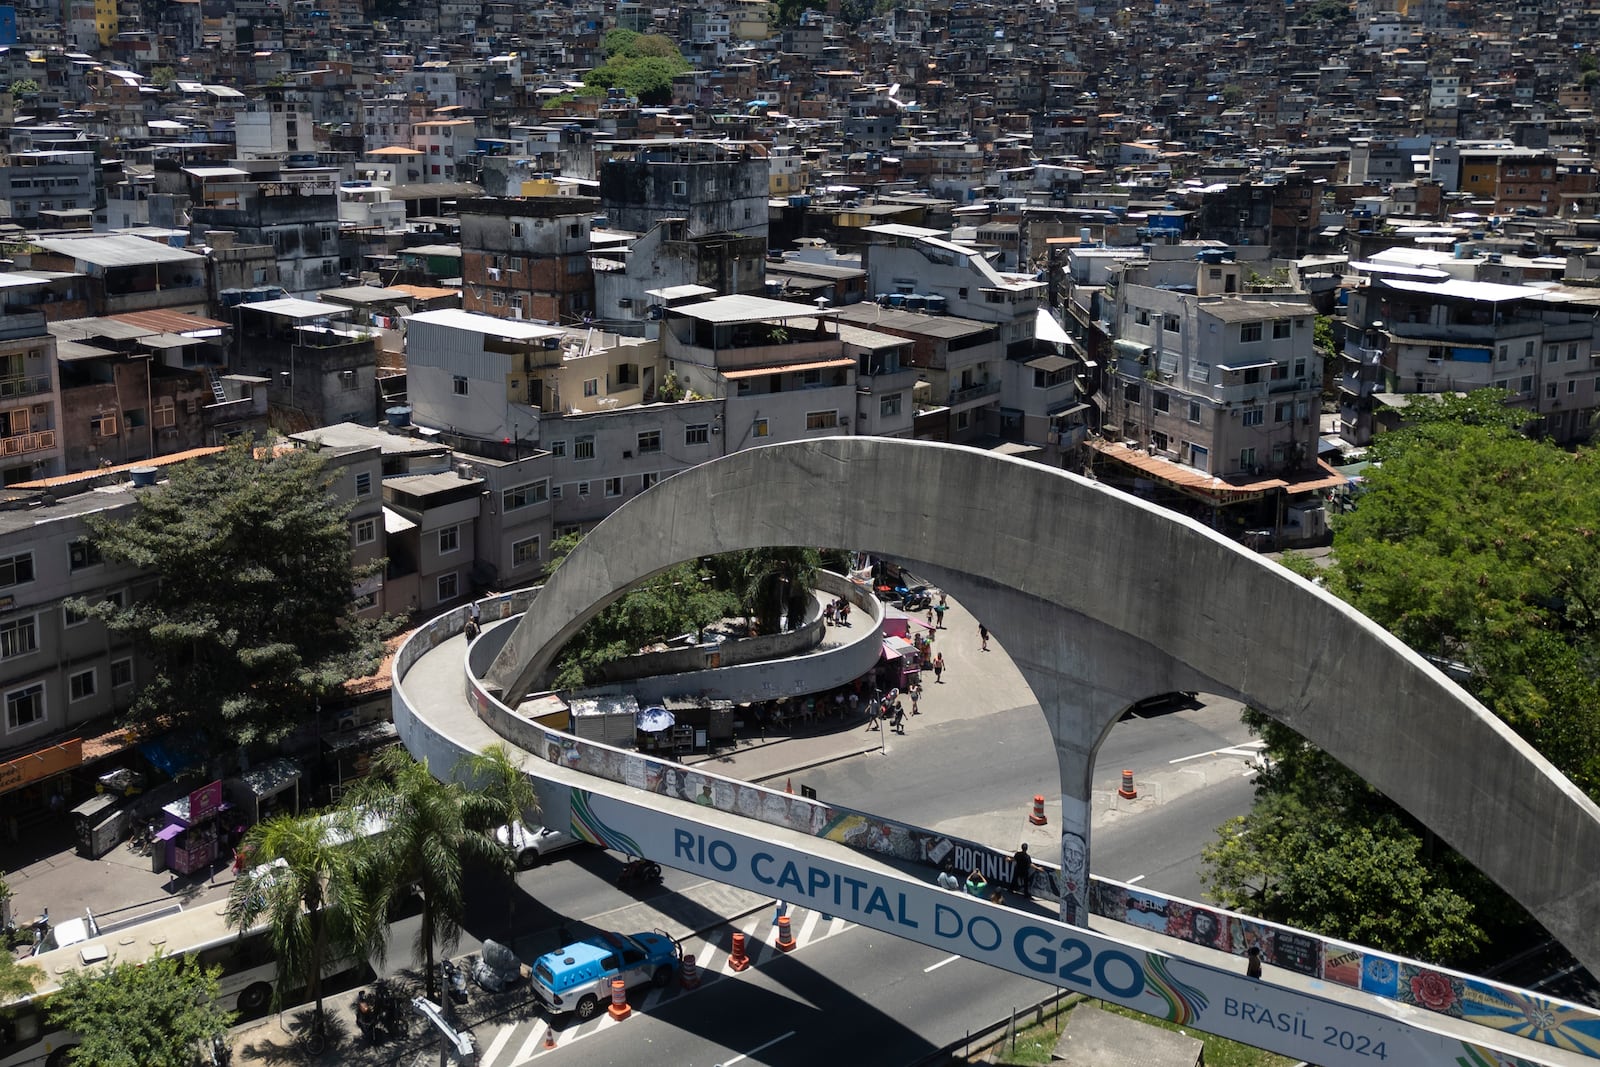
{"x": 643, "y": 65}
{"x": 1475, "y": 546}
{"x": 152, "y": 1013}
{"x": 249, "y": 618}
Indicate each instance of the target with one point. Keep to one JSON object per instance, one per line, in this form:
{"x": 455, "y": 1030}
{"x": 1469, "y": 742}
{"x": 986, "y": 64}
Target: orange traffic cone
{"x": 785, "y": 935}
{"x": 1127, "y": 792}
{"x": 737, "y": 959}
{"x": 788, "y": 786}
{"x": 688, "y": 974}
{"x": 550, "y": 1037}
{"x": 620, "y": 1008}
{"x": 1037, "y": 817}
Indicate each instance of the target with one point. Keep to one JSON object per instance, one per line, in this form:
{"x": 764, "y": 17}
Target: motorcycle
{"x": 455, "y": 982}
{"x": 639, "y": 873}
{"x": 920, "y": 600}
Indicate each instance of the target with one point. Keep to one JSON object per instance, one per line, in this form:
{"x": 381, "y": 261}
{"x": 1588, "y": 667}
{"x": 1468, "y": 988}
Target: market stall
{"x": 189, "y": 839}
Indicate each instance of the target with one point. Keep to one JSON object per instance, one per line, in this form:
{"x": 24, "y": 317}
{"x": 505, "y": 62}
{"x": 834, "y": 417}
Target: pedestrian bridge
{"x": 1197, "y": 612}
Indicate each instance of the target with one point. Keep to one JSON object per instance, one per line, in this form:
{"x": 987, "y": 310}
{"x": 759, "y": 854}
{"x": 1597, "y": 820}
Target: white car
{"x": 531, "y": 844}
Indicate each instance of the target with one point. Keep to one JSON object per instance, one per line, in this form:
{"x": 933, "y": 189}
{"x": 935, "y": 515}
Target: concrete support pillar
{"x": 1084, "y": 675}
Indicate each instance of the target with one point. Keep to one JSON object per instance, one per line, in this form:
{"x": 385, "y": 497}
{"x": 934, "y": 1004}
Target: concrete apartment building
{"x": 296, "y": 212}
{"x": 629, "y": 281}
{"x": 1226, "y": 385}
{"x": 716, "y": 188}
{"x": 527, "y": 257}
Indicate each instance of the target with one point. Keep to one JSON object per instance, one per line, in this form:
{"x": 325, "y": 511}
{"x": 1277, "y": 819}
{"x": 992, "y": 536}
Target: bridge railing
{"x": 1492, "y": 1005}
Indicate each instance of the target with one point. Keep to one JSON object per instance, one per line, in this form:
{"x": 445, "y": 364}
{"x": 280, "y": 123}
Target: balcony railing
{"x": 24, "y": 385}
{"x": 973, "y": 392}
{"x": 23, "y": 443}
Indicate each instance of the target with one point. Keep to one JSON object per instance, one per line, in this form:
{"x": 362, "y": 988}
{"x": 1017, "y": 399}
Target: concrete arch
{"x": 1101, "y": 599}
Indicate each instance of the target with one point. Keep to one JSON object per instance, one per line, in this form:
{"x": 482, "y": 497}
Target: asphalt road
{"x": 972, "y": 777}
{"x": 862, "y": 996}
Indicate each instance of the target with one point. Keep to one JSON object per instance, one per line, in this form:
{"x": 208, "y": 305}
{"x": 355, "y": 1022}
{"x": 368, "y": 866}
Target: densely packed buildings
{"x": 1200, "y": 252}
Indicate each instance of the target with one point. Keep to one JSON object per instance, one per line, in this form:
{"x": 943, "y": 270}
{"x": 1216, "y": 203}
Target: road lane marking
{"x": 941, "y": 963}
{"x": 497, "y": 1046}
{"x": 760, "y": 1048}
{"x": 1245, "y": 749}
{"x": 535, "y": 1039}
{"x": 806, "y": 928}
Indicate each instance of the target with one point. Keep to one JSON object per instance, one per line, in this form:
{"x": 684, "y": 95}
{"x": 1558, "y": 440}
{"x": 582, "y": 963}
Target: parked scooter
{"x": 639, "y": 873}
{"x": 455, "y": 981}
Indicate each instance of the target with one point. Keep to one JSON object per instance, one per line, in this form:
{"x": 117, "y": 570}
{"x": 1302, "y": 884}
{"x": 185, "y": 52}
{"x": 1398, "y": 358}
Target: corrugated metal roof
{"x": 515, "y": 329}
{"x": 1488, "y": 292}
{"x": 786, "y": 368}
{"x": 291, "y": 308}
{"x": 742, "y": 307}
{"x": 116, "y": 251}
{"x": 159, "y": 321}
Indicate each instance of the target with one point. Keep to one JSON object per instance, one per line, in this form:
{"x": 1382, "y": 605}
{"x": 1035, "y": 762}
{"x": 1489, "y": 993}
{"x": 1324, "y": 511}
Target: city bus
{"x": 200, "y": 933}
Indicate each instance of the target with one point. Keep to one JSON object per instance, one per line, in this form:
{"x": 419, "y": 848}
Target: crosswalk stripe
{"x": 808, "y": 927}
{"x": 530, "y": 1046}
{"x": 496, "y": 1046}
{"x": 838, "y": 926}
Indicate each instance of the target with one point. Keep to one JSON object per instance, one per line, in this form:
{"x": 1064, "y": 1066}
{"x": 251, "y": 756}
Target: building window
{"x": 1282, "y": 411}
{"x": 1572, "y": 387}
{"x": 1300, "y": 368}
{"x": 449, "y": 540}
{"x": 1552, "y": 353}
{"x": 1250, "y": 331}
{"x": 1194, "y": 411}
{"x": 760, "y": 428}
{"x": 558, "y": 449}
{"x": 822, "y": 420}
{"x": 525, "y": 552}
{"x": 497, "y": 299}
{"x": 591, "y": 387}
{"x": 514, "y": 263}
{"x": 1550, "y": 391}
{"x": 583, "y": 447}
{"x": 448, "y": 587}
{"x": 82, "y": 554}
{"x": 1252, "y": 416}
{"x": 647, "y": 480}
{"x": 366, "y": 531}
{"x": 24, "y": 707}
{"x": 649, "y": 441}
{"x": 680, "y": 188}
{"x": 121, "y": 672}
{"x": 698, "y": 434}
{"x": 1169, "y": 323}
{"x": 458, "y": 384}
{"x": 19, "y": 636}
{"x": 1281, "y": 329}
{"x": 364, "y": 484}
{"x": 583, "y": 490}
{"x": 81, "y": 686}
{"x": 1572, "y": 352}
{"x": 521, "y": 496}
{"x": 1247, "y": 458}
{"x": 17, "y": 569}
{"x": 889, "y": 406}
{"x": 613, "y": 487}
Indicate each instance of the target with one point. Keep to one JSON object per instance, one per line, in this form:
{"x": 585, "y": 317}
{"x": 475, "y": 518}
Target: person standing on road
{"x": 938, "y": 668}
{"x": 983, "y": 636}
{"x": 1022, "y": 872}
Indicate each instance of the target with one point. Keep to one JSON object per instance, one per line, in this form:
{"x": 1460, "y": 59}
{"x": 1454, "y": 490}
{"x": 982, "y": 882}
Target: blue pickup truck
{"x": 577, "y": 977}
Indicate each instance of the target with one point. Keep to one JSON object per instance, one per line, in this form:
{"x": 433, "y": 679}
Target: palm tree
{"x": 777, "y": 581}
{"x": 315, "y": 901}
{"x": 496, "y": 776}
{"x": 434, "y": 829}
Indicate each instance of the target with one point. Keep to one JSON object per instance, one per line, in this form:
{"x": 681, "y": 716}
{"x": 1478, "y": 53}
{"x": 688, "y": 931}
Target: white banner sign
{"x": 1297, "y": 1024}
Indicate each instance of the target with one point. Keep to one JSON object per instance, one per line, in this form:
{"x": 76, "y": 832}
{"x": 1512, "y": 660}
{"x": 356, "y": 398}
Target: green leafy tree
{"x": 162, "y": 77}
{"x": 775, "y": 583}
{"x": 435, "y": 829}
{"x": 154, "y": 1013}
{"x": 249, "y": 619}
{"x": 1327, "y": 346}
{"x": 320, "y": 904}
{"x": 643, "y": 65}
{"x": 16, "y": 979}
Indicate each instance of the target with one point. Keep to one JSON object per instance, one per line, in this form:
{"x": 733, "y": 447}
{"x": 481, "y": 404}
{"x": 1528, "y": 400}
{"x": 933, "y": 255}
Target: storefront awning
{"x": 14, "y": 774}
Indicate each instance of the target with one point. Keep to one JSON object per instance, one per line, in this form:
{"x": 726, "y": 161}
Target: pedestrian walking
{"x": 1252, "y": 966}
{"x": 938, "y": 669}
{"x": 474, "y": 613}
{"x": 1022, "y": 872}
{"x": 930, "y": 618}
{"x": 939, "y": 610}
{"x": 983, "y": 636}
{"x": 916, "y": 697}
{"x": 872, "y": 716}
{"x": 898, "y": 719}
